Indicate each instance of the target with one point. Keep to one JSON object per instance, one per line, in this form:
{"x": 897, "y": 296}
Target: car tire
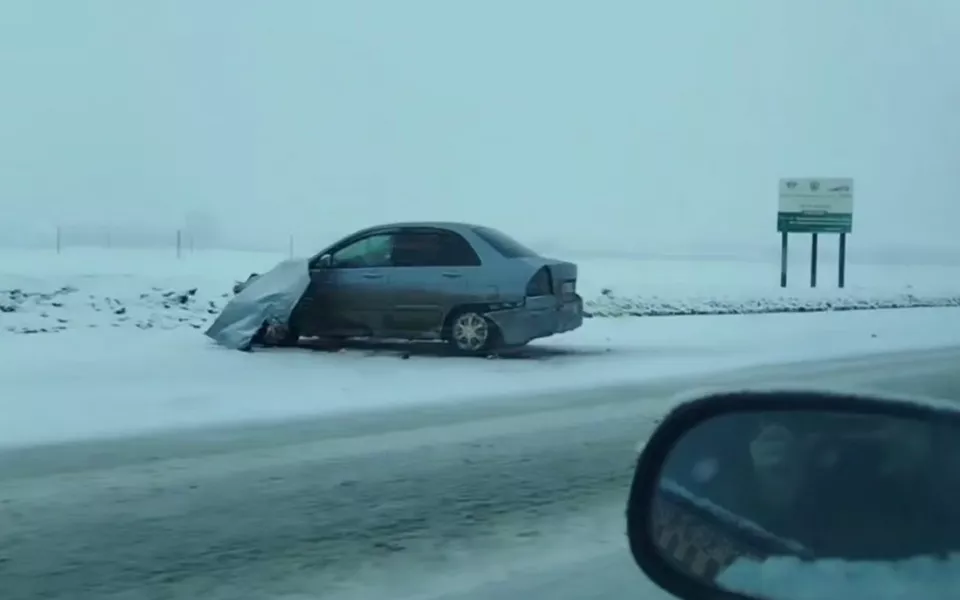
{"x": 471, "y": 332}
{"x": 283, "y": 337}
{"x": 291, "y": 339}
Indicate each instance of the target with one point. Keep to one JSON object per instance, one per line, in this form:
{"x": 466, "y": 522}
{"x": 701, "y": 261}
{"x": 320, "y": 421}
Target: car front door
{"x": 431, "y": 275}
{"x": 350, "y": 286}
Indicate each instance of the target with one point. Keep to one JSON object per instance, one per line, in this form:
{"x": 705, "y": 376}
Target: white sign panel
{"x": 815, "y": 205}
{"x": 816, "y": 195}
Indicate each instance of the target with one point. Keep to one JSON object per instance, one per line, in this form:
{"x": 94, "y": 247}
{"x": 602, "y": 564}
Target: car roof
{"x": 451, "y": 225}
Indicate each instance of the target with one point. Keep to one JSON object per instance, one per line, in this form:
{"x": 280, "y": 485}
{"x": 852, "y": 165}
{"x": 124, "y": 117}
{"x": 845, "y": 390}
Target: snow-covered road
{"x": 512, "y": 497}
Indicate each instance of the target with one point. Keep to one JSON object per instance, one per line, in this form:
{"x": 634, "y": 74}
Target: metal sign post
{"x": 783, "y": 259}
{"x": 842, "y": 271}
{"x": 813, "y": 261}
{"x": 815, "y": 206}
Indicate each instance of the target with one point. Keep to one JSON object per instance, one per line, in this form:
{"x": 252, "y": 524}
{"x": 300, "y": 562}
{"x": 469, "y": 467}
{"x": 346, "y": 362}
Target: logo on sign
{"x": 814, "y": 186}
{"x": 791, "y": 185}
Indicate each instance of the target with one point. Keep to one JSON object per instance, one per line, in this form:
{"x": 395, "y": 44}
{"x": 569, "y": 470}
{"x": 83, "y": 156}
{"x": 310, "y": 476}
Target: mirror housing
{"x": 324, "y": 261}
{"x": 684, "y": 543}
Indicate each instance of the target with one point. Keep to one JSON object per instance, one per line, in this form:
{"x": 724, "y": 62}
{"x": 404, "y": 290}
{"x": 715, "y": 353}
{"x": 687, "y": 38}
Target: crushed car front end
{"x": 262, "y": 306}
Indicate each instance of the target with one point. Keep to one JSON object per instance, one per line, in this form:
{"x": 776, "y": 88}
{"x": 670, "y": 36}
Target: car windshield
{"x": 503, "y": 243}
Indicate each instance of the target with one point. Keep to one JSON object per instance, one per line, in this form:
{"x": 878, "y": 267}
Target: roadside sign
{"x": 815, "y": 205}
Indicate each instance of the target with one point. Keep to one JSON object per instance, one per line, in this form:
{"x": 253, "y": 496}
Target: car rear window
{"x": 503, "y": 243}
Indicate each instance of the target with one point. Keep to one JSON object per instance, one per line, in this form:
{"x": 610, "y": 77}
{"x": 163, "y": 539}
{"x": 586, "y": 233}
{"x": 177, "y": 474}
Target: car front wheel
{"x": 284, "y": 336}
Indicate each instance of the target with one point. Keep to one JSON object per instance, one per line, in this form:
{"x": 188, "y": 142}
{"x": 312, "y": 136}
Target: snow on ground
{"x": 41, "y": 291}
{"x": 91, "y": 383}
{"x": 101, "y": 375}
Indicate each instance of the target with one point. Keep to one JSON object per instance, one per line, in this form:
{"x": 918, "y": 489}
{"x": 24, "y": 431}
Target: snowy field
{"x": 41, "y": 291}
{"x": 100, "y": 302}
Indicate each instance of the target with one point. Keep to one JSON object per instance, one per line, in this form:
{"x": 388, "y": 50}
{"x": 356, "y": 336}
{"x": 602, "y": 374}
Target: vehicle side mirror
{"x": 793, "y": 495}
{"x": 324, "y": 262}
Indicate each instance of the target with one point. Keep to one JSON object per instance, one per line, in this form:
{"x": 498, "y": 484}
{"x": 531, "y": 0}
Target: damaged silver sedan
{"x": 472, "y": 287}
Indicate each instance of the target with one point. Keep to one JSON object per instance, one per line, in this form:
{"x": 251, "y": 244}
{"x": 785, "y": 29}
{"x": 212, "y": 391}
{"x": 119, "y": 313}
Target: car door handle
{"x": 373, "y": 275}
{"x": 451, "y": 275}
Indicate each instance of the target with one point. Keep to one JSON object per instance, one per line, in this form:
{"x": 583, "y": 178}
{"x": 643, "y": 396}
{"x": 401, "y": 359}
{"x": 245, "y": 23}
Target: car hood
{"x": 270, "y": 297}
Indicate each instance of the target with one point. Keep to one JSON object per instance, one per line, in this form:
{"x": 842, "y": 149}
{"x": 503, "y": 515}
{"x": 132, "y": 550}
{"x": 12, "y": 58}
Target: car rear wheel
{"x": 471, "y": 332}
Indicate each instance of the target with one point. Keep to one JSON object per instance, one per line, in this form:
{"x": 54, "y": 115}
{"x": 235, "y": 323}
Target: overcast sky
{"x": 608, "y": 123}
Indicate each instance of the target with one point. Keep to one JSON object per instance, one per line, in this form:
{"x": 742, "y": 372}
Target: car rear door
{"x": 431, "y": 275}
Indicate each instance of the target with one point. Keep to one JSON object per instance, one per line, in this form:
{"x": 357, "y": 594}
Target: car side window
{"x": 415, "y": 249}
{"x": 370, "y": 252}
{"x": 456, "y": 251}
{"x": 433, "y": 249}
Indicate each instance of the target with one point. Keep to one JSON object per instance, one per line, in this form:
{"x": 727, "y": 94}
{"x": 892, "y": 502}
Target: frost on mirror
{"x": 785, "y": 505}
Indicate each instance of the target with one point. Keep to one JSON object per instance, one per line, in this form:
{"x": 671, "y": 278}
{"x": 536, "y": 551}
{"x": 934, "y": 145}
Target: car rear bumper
{"x": 538, "y": 318}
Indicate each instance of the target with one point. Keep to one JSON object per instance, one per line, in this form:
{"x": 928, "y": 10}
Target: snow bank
{"x": 609, "y": 304}
{"x": 52, "y": 310}
{"x": 620, "y": 287}
{"x": 68, "y": 307}
{"x": 96, "y": 288}
{"x": 792, "y": 579}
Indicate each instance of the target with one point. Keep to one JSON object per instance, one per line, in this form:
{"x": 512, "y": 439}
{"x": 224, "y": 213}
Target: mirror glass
{"x": 798, "y": 504}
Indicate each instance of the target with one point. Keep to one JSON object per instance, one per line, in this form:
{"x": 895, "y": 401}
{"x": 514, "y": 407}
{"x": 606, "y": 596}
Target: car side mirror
{"x": 792, "y": 495}
{"x": 324, "y": 262}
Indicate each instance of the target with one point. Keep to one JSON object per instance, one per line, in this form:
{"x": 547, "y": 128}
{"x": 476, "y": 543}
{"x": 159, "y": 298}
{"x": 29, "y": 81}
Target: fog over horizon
{"x": 613, "y": 126}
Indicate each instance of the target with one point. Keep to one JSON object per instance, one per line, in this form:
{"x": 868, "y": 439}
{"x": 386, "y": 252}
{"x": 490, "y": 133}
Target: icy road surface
{"x": 512, "y": 498}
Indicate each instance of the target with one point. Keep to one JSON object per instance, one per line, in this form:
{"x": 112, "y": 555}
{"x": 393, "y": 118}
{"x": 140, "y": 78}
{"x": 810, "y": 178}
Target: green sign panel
{"x": 814, "y": 222}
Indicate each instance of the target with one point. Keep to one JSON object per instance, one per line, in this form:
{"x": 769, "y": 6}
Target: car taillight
{"x": 540, "y": 284}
